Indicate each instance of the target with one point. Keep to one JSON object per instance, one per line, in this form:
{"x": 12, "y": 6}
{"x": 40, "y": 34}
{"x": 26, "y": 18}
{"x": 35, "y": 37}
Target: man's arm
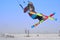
{"x": 25, "y": 9}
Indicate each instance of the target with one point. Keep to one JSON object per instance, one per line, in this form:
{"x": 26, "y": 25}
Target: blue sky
{"x": 14, "y": 20}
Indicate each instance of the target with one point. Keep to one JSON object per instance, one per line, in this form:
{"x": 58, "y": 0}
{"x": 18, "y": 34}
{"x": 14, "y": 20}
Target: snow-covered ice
{"x": 30, "y": 37}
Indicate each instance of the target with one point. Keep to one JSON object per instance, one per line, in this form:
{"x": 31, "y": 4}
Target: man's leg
{"x": 40, "y": 18}
{"x": 35, "y": 25}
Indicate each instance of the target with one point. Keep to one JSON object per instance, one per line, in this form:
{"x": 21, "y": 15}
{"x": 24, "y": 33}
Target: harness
{"x": 35, "y": 15}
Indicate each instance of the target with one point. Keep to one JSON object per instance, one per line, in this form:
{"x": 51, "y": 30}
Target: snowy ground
{"x": 30, "y": 37}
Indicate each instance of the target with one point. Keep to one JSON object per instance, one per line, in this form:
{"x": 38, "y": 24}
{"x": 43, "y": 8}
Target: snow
{"x": 30, "y": 37}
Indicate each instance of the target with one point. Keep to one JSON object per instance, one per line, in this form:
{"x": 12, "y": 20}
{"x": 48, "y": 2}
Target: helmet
{"x": 30, "y": 3}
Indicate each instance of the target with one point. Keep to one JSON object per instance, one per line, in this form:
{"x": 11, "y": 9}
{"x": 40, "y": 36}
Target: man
{"x": 35, "y": 15}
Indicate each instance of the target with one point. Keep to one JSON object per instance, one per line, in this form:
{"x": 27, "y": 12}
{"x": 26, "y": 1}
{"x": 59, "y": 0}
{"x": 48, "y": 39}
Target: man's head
{"x": 30, "y": 3}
